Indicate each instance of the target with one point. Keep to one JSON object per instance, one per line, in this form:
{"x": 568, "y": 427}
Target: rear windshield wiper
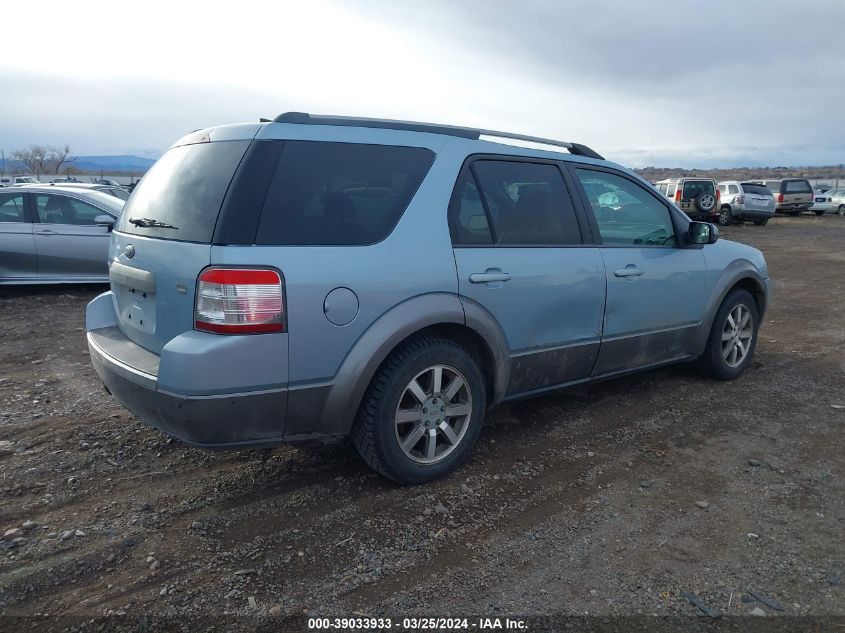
{"x": 150, "y": 223}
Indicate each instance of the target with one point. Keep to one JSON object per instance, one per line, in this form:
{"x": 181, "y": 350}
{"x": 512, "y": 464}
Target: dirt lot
{"x": 611, "y": 500}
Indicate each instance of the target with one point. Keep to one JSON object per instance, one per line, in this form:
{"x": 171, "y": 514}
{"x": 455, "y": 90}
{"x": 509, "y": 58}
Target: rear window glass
{"x": 751, "y": 187}
{"x": 797, "y": 186}
{"x": 692, "y": 188}
{"x": 180, "y": 196}
{"x": 325, "y": 194}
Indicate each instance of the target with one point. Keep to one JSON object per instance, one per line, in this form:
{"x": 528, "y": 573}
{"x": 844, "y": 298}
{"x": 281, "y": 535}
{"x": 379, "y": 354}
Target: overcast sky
{"x": 644, "y": 82}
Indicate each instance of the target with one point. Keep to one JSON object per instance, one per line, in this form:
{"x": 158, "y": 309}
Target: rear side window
{"x": 693, "y": 188}
{"x": 180, "y": 196}
{"x": 797, "y": 186}
{"x": 11, "y": 207}
{"x": 527, "y": 203}
{"x": 325, "y": 194}
{"x": 754, "y": 188}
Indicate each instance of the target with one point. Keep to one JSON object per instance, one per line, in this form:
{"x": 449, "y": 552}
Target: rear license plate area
{"x": 136, "y": 308}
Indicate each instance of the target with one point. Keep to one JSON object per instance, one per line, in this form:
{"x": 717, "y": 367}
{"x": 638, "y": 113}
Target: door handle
{"x": 629, "y": 271}
{"x": 46, "y": 232}
{"x": 489, "y": 276}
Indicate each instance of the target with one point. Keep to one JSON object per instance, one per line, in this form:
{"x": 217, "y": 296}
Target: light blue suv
{"x": 321, "y": 277}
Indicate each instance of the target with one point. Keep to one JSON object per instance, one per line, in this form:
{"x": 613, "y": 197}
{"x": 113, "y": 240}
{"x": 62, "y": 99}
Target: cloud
{"x": 718, "y": 82}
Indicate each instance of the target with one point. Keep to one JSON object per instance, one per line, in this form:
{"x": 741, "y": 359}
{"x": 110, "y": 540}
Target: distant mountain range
{"x": 113, "y": 163}
{"x": 105, "y": 164}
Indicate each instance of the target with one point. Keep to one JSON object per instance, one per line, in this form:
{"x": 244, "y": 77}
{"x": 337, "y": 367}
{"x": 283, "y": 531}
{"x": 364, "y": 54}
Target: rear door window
{"x": 797, "y": 186}
{"x": 325, "y": 193}
{"x": 180, "y": 196}
{"x": 754, "y": 188}
{"x": 527, "y": 203}
{"x": 11, "y": 207}
{"x": 693, "y": 188}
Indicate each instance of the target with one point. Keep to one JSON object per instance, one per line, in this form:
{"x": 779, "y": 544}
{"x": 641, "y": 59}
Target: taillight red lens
{"x": 780, "y": 198}
{"x": 239, "y": 301}
{"x": 718, "y": 195}
{"x": 678, "y": 194}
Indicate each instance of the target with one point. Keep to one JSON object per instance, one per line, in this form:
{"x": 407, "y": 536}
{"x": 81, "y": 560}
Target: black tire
{"x": 761, "y": 222}
{"x": 819, "y": 212}
{"x": 794, "y": 212}
{"x": 373, "y": 432}
{"x": 841, "y": 209}
{"x": 725, "y": 216}
{"x": 712, "y": 363}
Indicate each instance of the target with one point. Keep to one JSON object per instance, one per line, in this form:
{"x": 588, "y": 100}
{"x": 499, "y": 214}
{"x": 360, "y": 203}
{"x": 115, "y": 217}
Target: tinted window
{"x": 467, "y": 219}
{"x": 693, "y": 188}
{"x": 773, "y": 185}
{"x": 733, "y": 189}
{"x": 11, "y": 207}
{"x": 753, "y": 188}
{"x": 184, "y": 189}
{"x": 340, "y": 193}
{"x": 54, "y": 209}
{"x": 797, "y": 186}
{"x": 528, "y": 203}
{"x": 626, "y": 213}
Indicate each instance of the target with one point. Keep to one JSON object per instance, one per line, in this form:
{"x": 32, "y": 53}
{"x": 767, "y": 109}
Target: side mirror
{"x": 703, "y": 233}
{"x": 104, "y": 220}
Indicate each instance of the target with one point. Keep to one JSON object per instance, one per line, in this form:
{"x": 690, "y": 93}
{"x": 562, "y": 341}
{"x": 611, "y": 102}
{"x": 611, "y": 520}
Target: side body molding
{"x": 357, "y": 370}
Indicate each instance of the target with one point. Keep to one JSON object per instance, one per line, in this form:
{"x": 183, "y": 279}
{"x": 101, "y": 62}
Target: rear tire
{"x": 841, "y": 210}
{"x": 761, "y": 222}
{"x": 819, "y": 211}
{"x": 406, "y": 400}
{"x": 794, "y": 212}
{"x": 733, "y": 337}
{"x": 725, "y": 216}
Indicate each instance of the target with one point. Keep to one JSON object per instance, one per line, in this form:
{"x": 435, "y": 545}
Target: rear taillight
{"x": 239, "y": 301}
{"x": 718, "y": 196}
{"x": 678, "y": 194}
{"x": 780, "y": 198}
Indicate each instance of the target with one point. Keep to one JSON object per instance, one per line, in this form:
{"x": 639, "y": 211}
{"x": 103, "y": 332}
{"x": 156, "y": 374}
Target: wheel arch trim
{"x": 390, "y": 330}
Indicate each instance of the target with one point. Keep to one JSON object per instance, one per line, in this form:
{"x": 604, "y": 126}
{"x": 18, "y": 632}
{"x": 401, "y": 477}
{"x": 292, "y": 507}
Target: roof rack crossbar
{"x": 433, "y": 128}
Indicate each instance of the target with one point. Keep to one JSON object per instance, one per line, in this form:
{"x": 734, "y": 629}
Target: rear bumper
{"x": 753, "y": 214}
{"x": 797, "y": 206}
{"x": 213, "y": 421}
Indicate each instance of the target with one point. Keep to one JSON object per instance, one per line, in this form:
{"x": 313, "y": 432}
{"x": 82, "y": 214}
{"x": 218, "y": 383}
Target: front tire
{"x": 841, "y": 210}
{"x": 733, "y": 337}
{"x": 423, "y": 411}
{"x": 725, "y": 217}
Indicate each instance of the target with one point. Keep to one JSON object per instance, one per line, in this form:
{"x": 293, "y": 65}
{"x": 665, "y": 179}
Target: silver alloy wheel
{"x": 725, "y": 217}
{"x": 707, "y": 202}
{"x": 433, "y": 414}
{"x": 841, "y": 210}
{"x": 737, "y": 334}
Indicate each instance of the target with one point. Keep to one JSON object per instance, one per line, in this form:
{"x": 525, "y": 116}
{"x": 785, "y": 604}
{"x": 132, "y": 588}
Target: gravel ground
{"x": 616, "y": 500}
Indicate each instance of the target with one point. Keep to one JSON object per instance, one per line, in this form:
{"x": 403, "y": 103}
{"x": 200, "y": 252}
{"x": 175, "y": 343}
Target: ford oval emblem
{"x": 129, "y": 251}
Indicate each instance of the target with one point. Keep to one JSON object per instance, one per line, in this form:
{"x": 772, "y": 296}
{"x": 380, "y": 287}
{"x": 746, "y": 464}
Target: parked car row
{"x": 755, "y": 201}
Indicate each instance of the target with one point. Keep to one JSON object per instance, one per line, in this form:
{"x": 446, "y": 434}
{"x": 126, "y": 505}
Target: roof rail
{"x": 451, "y": 130}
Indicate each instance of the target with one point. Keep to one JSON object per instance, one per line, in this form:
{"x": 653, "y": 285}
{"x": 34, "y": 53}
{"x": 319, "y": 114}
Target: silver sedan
{"x": 54, "y": 234}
